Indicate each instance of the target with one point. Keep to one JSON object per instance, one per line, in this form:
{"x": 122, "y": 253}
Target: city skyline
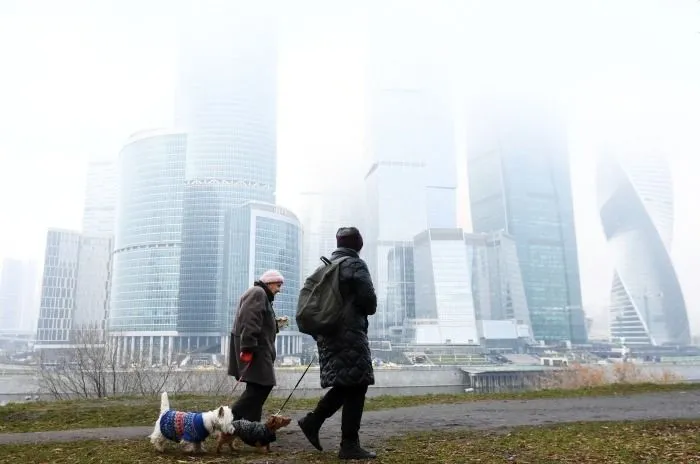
{"x": 150, "y": 92}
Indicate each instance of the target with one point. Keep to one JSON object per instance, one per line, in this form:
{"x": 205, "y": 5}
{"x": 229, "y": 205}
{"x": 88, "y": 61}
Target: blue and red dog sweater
{"x": 188, "y": 426}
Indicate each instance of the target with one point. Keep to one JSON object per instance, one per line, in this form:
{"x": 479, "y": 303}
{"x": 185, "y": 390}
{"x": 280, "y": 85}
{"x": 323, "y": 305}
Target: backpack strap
{"x": 328, "y": 262}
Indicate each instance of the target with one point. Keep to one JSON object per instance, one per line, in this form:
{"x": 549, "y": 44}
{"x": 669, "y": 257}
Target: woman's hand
{"x": 282, "y": 322}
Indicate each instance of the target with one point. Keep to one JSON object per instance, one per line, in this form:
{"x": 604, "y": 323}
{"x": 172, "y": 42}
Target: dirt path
{"x": 379, "y": 425}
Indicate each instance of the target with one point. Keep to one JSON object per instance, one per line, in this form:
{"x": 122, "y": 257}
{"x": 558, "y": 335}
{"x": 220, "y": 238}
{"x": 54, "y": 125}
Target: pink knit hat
{"x": 271, "y": 276}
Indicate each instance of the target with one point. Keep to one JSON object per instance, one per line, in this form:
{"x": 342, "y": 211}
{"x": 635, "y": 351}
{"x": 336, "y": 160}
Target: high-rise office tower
{"x": 78, "y": 266}
{"x": 519, "y": 182}
{"x": 635, "y": 200}
{"x": 100, "y": 199}
{"x": 261, "y": 236}
{"x": 19, "y": 304}
{"x": 496, "y": 279}
{"x": 148, "y": 241}
{"x": 445, "y": 312}
{"x": 96, "y": 246}
{"x": 410, "y": 178}
{"x": 227, "y": 106}
{"x": 58, "y": 289}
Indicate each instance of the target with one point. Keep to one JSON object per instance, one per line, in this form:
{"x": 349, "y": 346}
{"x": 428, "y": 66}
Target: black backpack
{"x": 320, "y": 306}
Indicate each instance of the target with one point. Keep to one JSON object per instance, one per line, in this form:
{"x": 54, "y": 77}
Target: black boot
{"x": 311, "y": 425}
{"x": 353, "y": 450}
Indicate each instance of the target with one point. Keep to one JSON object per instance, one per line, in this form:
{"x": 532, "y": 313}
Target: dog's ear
{"x": 221, "y": 412}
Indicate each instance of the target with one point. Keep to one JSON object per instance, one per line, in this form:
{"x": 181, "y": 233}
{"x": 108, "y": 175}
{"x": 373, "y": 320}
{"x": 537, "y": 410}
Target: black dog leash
{"x": 295, "y": 386}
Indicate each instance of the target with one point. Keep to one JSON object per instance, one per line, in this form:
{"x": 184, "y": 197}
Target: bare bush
{"x": 89, "y": 368}
{"x": 586, "y": 376}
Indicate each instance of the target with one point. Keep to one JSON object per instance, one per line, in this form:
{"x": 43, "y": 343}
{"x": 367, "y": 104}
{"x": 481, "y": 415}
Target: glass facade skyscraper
{"x": 19, "y": 285}
{"x": 519, "y": 182}
{"x": 410, "y": 177}
{"x": 401, "y": 290}
{"x": 58, "y": 289}
{"x": 100, "y": 199}
{"x": 78, "y": 266}
{"x": 93, "y": 284}
{"x": 262, "y": 236}
{"x": 227, "y": 106}
{"x": 497, "y": 283}
{"x": 445, "y": 312}
{"x": 635, "y": 200}
{"x": 148, "y": 240}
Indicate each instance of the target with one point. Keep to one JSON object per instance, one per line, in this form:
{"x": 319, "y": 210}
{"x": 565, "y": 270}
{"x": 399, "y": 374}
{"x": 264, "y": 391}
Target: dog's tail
{"x": 164, "y": 403}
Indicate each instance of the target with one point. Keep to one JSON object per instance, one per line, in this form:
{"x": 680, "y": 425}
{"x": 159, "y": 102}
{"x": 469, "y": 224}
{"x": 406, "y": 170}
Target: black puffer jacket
{"x": 345, "y": 357}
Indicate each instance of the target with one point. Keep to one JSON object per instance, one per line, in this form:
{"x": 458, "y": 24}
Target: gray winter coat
{"x": 254, "y": 330}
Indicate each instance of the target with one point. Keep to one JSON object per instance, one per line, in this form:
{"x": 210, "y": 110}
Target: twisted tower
{"x": 635, "y": 202}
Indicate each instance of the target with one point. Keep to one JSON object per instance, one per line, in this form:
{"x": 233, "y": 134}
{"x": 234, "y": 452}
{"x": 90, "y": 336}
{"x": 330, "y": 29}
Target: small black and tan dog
{"x": 257, "y": 434}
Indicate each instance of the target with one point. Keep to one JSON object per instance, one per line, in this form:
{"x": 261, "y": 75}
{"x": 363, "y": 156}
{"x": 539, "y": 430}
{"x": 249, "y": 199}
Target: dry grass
{"x": 587, "y": 376}
{"x": 652, "y": 442}
{"x": 121, "y": 412}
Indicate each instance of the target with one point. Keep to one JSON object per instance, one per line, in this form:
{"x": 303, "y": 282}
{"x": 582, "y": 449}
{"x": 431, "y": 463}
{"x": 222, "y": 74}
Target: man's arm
{"x": 365, "y": 296}
{"x": 250, "y": 318}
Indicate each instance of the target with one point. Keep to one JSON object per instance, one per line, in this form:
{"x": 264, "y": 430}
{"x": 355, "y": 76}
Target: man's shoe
{"x": 353, "y": 450}
{"x": 311, "y": 426}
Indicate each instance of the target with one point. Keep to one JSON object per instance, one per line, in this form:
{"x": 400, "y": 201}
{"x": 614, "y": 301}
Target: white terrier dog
{"x": 189, "y": 428}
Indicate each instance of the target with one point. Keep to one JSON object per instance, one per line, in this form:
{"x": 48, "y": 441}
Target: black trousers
{"x": 352, "y": 400}
{"x": 250, "y": 404}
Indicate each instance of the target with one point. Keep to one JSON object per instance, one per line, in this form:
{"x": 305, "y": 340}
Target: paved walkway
{"x": 378, "y": 425}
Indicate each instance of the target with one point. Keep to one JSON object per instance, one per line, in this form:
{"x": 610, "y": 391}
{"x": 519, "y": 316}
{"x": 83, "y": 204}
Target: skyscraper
{"x": 93, "y": 283}
{"x": 78, "y": 268}
{"x": 635, "y": 200}
{"x": 519, "y": 182}
{"x": 148, "y": 240}
{"x": 100, "y": 199}
{"x": 227, "y": 106}
{"x": 445, "y": 311}
{"x": 410, "y": 178}
{"x": 96, "y": 246}
{"x": 261, "y": 236}
{"x": 401, "y": 291}
{"x": 496, "y": 279}
{"x": 18, "y": 295}
{"x": 58, "y": 289}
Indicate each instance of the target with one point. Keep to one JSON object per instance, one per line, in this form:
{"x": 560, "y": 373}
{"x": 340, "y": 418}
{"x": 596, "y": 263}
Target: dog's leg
{"x": 187, "y": 446}
{"x": 157, "y": 438}
{"x": 159, "y": 444}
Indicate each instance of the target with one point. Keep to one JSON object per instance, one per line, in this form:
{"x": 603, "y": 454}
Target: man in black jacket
{"x": 345, "y": 358}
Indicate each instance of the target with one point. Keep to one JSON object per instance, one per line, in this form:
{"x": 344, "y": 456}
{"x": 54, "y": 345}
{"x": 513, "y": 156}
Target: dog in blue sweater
{"x": 189, "y": 428}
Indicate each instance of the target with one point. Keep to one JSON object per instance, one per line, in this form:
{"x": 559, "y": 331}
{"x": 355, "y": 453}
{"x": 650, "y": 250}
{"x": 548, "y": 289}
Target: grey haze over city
{"x": 595, "y": 81}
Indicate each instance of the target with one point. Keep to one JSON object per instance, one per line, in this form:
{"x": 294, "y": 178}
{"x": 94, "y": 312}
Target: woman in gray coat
{"x": 252, "y": 350}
